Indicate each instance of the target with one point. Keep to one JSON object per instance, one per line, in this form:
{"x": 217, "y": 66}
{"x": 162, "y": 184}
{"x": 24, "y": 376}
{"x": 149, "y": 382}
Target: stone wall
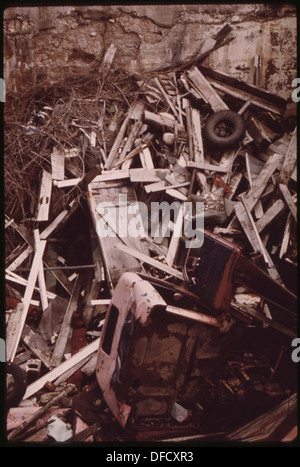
{"x": 45, "y": 41}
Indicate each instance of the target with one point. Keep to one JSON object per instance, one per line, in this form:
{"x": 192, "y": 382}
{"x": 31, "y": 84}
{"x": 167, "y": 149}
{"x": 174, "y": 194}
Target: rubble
{"x": 77, "y": 148}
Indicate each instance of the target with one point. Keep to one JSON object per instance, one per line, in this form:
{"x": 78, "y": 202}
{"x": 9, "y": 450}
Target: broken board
{"x": 122, "y": 215}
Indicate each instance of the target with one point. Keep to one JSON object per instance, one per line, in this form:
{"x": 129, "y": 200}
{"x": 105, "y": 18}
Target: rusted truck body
{"x": 171, "y": 365}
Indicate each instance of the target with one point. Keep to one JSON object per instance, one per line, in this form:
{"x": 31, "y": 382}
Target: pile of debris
{"x": 194, "y": 135}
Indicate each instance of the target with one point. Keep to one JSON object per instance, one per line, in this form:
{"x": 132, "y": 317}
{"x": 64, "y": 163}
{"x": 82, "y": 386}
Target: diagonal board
{"x": 17, "y": 320}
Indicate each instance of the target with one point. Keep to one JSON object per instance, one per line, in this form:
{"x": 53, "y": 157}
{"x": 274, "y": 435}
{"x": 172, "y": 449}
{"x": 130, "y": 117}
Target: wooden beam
{"x": 246, "y": 91}
{"x": 205, "y": 166}
{"x": 147, "y": 175}
{"x": 174, "y": 243}
{"x": 161, "y": 186}
{"x": 147, "y": 259}
{"x": 57, "y": 164}
{"x": 161, "y": 121}
{"x": 261, "y": 181}
{"x": 286, "y": 236}
{"x": 115, "y": 147}
{"x": 205, "y": 90}
{"x": 14, "y": 335}
{"x": 289, "y": 161}
{"x": 52, "y": 375}
{"x": 41, "y": 276}
{"x": 289, "y": 200}
{"x": 65, "y": 329}
{"x": 165, "y": 95}
{"x": 44, "y": 197}
{"x": 270, "y": 215}
{"x": 20, "y": 259}
{"x": 244, "y": 216}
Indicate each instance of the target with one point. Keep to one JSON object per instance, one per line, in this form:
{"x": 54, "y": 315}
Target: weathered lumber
{"x": 65, "y": 329}
{"x": 205, "y": 90}
{"x": 174, "y": 243}
{"x": 161, "y": 121}
{"x": 270, "y": 215}
{"x": 41, "y": 276}
{"x": 52, "y": 375}
{"x": 205, "y": 166}
{"x": 38, "y": 414}
{"x": 57, "y": 164}
{"x": 161, "y": 186}
{"x": 14, "y": 330}
{"x": 244, "y": 216}
{"x": 289, "y": 161}
{"x": 147, "y": 259}
{"x": 44, "y": 197}
{"x": 286, "y": 236}
{"x": 246, "y": 91}
{"x": 115, "y": 148}
{"x": 289, "y": 200}
{"x": 37, "y": 345}
{"x": 165, "y": 95}
{"x": 259, "y": 184}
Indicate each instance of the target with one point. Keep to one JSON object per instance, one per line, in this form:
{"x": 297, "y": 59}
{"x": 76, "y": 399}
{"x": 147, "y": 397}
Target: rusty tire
{"x": 224, "y": 129}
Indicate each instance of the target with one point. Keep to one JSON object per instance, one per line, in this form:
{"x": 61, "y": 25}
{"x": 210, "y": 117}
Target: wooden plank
{"x": 286, "y": 236}
{"x": 244, "y": 216}
{"x": 39, "y": 413}
{"x": 115, "y": 147}
{"x": 261, "y": 181}
{"x": 57, "y": 164}
{"x": 52, "y": 375}
{"x": 165, "y": 95}
{"x": 115, "y": 262}
{"x": 41, "y": 277}
{"x": 147, "y": 259}
{"x": 137, "y": 112}
{"x": 59, "y": 221}
{"x": 174, "y": 243}
{"x": 161, "y": 121}
{"x": 146, "y": 159}
{"x": 147, "y": 175}
{"x": 205, "y": 166}
{"x": 161, "y": 186}
{"x": 176, "y": 194}
{"x": 196, "y": 153}
{"x": 258, "y": 209}
{"x": 289, "y": 200}
{"x": 13, "y": 277}
{"x": 289, "y": 161}
{"x": 205, "y": 90}
{"x": 37, "y": 344}
{"x": 14, "y": 335}
{"x": 270, "y": 215}
{"x": 246, "y": 91}
{"x": 65, "y": 329}
{"x": 20, "y": 259}
{"x": 44, "y": 197}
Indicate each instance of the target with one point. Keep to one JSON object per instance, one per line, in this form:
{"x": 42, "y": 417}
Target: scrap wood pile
{"x": 190, "y": 135}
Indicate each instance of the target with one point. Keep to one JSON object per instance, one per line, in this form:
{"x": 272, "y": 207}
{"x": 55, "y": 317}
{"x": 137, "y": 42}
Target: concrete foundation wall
{"x": 44, "y": 41}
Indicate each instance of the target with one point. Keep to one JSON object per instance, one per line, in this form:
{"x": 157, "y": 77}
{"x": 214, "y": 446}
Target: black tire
{"x": 233, "y": 131}
{"x": 19, "y": 386}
